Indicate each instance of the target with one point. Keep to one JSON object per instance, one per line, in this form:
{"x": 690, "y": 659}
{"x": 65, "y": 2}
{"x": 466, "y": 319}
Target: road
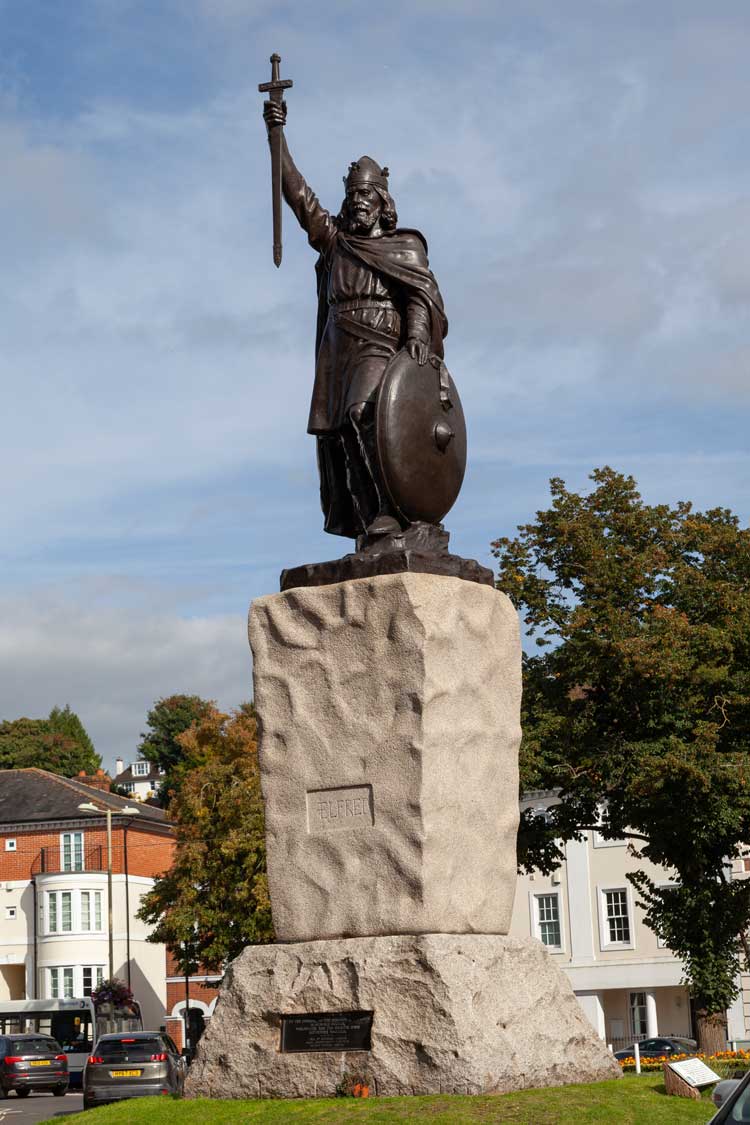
{"x": 37, "y": 1107}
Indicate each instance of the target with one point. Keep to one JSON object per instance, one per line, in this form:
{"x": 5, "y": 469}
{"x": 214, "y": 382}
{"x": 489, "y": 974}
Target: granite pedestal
{"x": 389, "y": 730}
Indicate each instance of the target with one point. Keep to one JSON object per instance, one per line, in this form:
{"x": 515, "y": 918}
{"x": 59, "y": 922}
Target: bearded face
{"x": 364, "y": 208}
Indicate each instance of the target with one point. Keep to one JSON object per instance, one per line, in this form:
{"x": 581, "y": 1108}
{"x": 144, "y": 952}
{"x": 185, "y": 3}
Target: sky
{"x": 581, "y": 172}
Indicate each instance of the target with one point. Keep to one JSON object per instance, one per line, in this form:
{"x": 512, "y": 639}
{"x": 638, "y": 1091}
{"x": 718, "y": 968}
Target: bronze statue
{"x": 386, "y": 414}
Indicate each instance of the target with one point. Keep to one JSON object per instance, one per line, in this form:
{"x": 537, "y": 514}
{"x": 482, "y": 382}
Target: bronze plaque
{"x": 326, "y": 1031}
{"x": 421, "y": 436}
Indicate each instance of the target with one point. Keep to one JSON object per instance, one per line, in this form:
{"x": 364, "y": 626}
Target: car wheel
{"x": 3, "y": 1091}
{"x": 60, "y": 1091}
{"x": 23, "y": 1092}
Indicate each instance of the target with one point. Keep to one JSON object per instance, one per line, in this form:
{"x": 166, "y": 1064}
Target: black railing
{"x": 51, "y": 861}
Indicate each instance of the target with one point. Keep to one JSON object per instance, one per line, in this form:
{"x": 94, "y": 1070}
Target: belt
{"x": 362, "y": 303}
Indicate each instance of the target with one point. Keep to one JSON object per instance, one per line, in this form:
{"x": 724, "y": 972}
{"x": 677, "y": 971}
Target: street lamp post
{"x": 89, "y": 806}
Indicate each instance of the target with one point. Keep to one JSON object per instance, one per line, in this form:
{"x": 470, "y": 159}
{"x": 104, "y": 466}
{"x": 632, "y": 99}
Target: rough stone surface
{"x": 389, "y": 731}
{"x": 452, "y": 1014}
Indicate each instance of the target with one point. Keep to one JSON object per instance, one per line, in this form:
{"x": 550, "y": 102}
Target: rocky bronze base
{"x": 422, "y": 548}
{"x": 419, "y": 1014}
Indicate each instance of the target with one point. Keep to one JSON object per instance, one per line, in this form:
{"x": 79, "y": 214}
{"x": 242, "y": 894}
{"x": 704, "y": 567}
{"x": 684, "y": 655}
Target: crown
{"x": 367, "y": 171}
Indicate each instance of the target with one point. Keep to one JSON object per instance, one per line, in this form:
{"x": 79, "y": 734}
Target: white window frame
{"x": 604, "y": 940}
{"x": 97, "y": 976}
{"x": 536, "y": 928}
{"x": 141, "y": 769}
{"x": 73, "y": 836}
{"x": 64, "y": 978}
{"x": 10, "y": 844}
{"x": 94, "y": 911}
{"x": 56, "y": 897}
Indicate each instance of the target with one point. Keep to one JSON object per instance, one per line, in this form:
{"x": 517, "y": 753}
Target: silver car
{"x": 132, "y": 1064}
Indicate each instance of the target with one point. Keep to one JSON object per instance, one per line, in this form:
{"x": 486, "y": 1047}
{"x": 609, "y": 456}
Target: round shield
{"x": 421, "y": 435}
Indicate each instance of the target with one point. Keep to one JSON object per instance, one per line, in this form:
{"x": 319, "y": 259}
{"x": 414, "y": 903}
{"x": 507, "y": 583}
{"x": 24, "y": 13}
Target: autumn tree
{"x": 637, "y": 705}
{"x": 214, "y": 901}
{"x": 59, "y": 744}
{"x": 167, "y": 720}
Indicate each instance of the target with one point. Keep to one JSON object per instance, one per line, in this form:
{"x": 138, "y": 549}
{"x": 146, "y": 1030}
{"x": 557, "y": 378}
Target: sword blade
{"x": 276, "y": 193}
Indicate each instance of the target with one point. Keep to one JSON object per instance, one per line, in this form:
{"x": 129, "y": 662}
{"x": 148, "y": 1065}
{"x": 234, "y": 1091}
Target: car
{"x": 665, "y": 1045}
{"x": 735, "y": 1105}
{"x": 132, "y": 1064}
{"x": 32, "y": 1062}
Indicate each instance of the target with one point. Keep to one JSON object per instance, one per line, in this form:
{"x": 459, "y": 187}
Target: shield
{"x": 421, "y": 436}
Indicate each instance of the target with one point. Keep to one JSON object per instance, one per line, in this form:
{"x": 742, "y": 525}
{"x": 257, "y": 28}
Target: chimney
{"x": 119, "y": 766}
{"x": 98, "y": 780}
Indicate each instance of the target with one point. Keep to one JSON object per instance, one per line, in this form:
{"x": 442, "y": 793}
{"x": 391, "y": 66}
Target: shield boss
{"x": 421, "y": 435}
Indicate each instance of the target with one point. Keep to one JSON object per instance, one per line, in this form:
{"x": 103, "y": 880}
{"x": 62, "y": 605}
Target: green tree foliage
{"x": 59, "y": 744}
{"x": 214, "y": 900}
{"x": 637, "y": 701}
{"x": 160, "y": 743}
{"x": 66, "y": 722}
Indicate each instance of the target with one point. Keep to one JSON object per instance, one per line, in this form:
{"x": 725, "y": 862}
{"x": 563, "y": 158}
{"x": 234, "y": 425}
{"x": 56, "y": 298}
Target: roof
{"x": 34, "y": 795}
{"x": 128, "y": 775}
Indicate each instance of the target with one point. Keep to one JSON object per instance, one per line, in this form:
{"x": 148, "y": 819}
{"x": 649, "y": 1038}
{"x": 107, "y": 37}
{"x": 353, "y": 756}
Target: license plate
{"x": 125, "y": 1073}
{"x": 41, "y": 1062}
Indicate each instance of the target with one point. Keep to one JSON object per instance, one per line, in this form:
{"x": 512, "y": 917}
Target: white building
{"x": 140, "y": 778}
{"x": 587, "y": 916}
{"x": 54, "y": 918}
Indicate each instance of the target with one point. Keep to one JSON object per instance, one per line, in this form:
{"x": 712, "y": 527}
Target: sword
{"x": 275, "y": 90}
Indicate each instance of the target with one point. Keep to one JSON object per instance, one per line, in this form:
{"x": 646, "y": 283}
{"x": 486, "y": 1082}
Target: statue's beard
{"x": 365, "y": 222}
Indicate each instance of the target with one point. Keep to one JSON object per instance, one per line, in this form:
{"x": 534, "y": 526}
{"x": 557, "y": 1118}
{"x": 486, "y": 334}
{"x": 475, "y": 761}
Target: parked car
{"x": 135, "y": 1064}
{"x": 736, "y": 1105}
{"x": 32, "y": 1062}
{"x": 663, "y": 1045}
{"x": 723, "y": 1090}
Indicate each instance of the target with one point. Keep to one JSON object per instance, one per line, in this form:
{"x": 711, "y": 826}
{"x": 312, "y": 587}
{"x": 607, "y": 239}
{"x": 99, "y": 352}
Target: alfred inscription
{"x": 334, "y": 810}
{"x": 327, "y": 1031}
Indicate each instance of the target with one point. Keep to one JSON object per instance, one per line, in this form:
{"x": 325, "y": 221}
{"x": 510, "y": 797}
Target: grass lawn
{"x": 631, "y": 1101}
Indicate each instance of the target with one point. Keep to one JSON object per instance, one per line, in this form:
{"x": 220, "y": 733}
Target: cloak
{"x": 401, "y": 256}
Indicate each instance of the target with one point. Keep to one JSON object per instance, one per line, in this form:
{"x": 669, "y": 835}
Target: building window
{"x": 91, "y": 910}
{"x": 141, "y": 769}
{"x": 10, "y": 845}
{"x": 93, "y": 975}
{"x": 615, "y": 918}
{"x": 61, "y": 983}
{"x": 71, "y": 847}
{"x": 59, "y": 912}
{"x": 547, "y": 920}
{"x": 638, "y": 1023}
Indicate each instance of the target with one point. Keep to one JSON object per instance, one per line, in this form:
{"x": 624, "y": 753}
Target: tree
{"x": 66, "y": 722}
{"x": 214, "y": 900}
{"x": 59, "y": 744}
{"x": 637, "y": 705}
{"x": 160, "y": 743}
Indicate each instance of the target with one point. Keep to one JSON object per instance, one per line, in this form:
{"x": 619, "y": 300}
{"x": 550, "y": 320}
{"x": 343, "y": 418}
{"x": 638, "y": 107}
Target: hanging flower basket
{"x": 111, "y": 994}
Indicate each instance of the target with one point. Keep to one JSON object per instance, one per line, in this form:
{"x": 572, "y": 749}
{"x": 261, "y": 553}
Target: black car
{"x": 663, "y": 1045}
{"x": 132, "y": 1064}
{"x": 32, "y": 1062}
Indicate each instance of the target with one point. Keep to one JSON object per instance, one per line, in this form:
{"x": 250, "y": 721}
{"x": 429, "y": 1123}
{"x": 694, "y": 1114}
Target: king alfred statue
{"x": 385, "y": 412}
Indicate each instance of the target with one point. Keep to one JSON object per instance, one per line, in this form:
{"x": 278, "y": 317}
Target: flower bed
{"x": 724, "y": 1063}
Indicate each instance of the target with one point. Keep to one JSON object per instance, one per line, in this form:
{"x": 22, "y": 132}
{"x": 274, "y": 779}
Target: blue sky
{"x": 581, "y": 172}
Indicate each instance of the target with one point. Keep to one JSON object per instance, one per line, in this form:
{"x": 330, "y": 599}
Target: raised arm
{"x": 313, "y": 218}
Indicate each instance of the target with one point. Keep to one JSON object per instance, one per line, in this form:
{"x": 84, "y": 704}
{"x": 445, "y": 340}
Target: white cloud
{"x": 111, "y": 665}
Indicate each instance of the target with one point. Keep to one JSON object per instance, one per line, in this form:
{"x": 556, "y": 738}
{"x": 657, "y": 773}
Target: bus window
{"x": 72, "y": 1031}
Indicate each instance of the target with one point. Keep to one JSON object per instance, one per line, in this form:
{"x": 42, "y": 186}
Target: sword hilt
{"x": 275, "y": 88}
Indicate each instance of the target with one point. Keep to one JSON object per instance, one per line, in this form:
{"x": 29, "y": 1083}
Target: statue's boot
{"x": 382, "y": 521}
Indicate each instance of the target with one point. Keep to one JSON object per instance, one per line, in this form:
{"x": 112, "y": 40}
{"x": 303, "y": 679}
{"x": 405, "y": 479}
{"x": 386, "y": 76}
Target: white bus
{"x": 74, "y": 1023}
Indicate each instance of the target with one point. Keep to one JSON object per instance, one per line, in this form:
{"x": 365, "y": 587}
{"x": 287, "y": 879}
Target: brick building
{"x": 54, "y": 917}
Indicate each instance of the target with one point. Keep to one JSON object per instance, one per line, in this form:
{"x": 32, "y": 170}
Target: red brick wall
{"x": 149, "y": 853}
